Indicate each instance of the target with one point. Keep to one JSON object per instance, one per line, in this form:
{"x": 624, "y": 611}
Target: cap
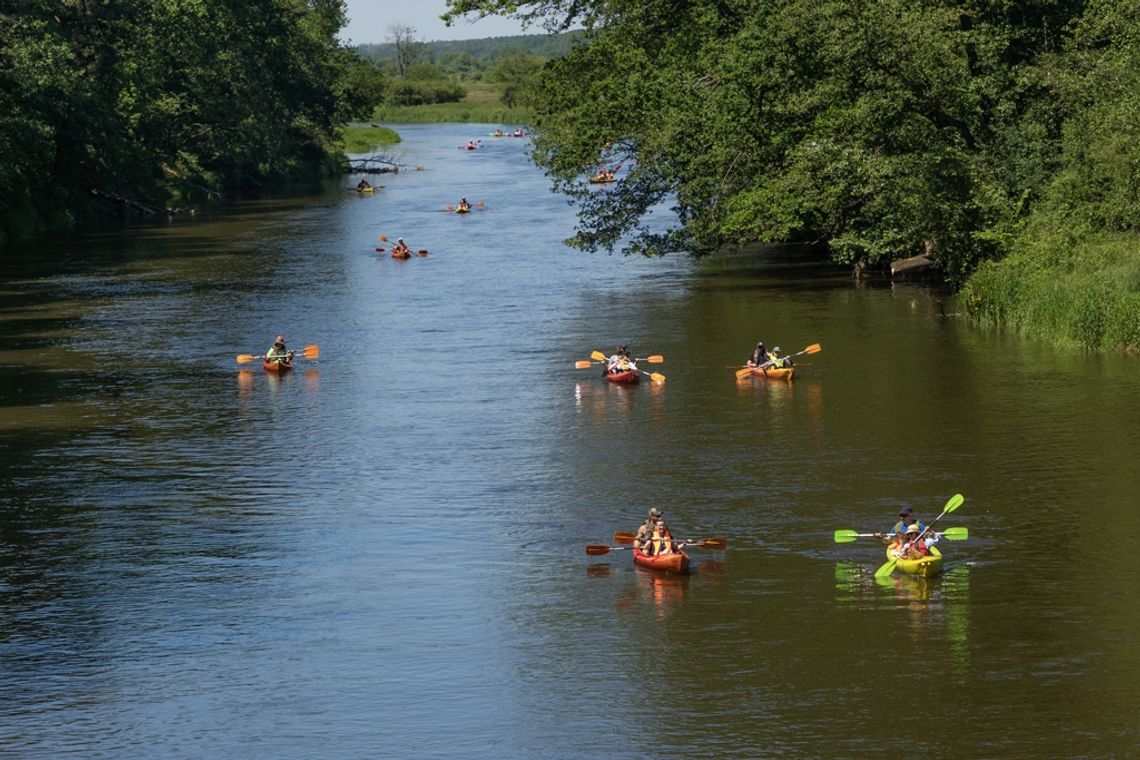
{"x": 905, "y": 511}
{"x": 760, "y": 344}
{"x": 912, "y": 528}
{"x": 655, "y": 512}
{"x": 776, "y": 348}
{"x": 279, "y": 339}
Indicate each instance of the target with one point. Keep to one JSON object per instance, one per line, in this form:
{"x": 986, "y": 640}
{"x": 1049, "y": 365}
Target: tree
{"x": 408, "y": 50}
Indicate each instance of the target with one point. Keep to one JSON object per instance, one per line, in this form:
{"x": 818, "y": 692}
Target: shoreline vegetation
{"x": 998, "y": 142}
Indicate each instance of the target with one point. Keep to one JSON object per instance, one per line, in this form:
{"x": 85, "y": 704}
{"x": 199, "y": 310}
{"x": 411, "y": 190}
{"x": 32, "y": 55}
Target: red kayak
{"x": 677, "y": 562}
{"x": 401, "y": 254}
{"x": 629, "y": 376}
{"x": 277, "y": 365}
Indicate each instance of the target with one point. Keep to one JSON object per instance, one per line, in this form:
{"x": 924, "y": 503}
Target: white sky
{"x": 368, "y": 22}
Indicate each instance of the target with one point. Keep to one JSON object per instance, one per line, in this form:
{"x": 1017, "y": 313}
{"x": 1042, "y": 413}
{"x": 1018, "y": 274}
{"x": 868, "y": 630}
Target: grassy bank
{"x": 365, "y": 139}
{"x": 482, "y": 105}
{"x": 1079, "y": 291}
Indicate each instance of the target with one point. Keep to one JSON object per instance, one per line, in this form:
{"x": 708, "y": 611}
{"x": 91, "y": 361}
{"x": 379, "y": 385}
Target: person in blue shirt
{"x": 906, "y": 519}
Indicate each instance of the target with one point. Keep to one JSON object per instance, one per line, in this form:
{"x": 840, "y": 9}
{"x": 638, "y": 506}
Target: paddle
{"x": 814, "y": 348}
{"x": 622, "y": 537}
{"x": 308, "y": 352}
{"x": 888, "y": 567}
{"x": 653, "y": 359}
{"x": 656, "y": 377}
{"x": 950, "y": 534}
{"x": 595, "y": 549}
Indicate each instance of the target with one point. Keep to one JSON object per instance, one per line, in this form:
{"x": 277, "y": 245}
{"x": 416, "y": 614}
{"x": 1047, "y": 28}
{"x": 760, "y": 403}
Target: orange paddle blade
{"x": 598, "y": 549}
{"x": 622, "y": 537}
{"x": 584, "y": 364}
{"x": 448, "y": 208}
{"x": 245, "y": 358}
{"x": 312, "y": 352}
{"x": 597, "y": 356}
{"x": 384, "y": 238}
{"x": 743, "y": 373}
{"x": 480, "y": 204}
{"x": 655, "y": 359}
{"x": 712, "y": 543}
{"x": 422, "y": 252}
{"x": 814, "y": 348}
{"x": 379, "y": 250}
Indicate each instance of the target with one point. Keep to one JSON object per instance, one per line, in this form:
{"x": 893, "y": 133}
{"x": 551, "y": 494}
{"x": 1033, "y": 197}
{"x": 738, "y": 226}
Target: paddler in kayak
{"x": 906, "y": 519}
{"x": 660, "y": 540}
{"x": 401, "y": 247}
{"x": 620, "y": 361}
{"x": 463, "y": 205}
{"x": 759, "y": 356}
{"x": 278, "y": 352}
{"x": 645, "y": 530}
{"x": 778, "y": 361}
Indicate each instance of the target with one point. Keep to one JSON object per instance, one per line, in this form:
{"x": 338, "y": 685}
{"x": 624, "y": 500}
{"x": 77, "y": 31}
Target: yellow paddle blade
{"x": 743, "y": 373}
{"x": 597, "y": 356}
{"x": 814, "y": 348}
{"x": 312, "y": 352}
{"x": 245, "y": 358}
{"x": 584, "y": 364}
{"x": 657, "y": 377}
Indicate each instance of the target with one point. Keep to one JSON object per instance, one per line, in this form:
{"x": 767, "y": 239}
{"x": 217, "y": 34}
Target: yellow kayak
{"x": 924, "y": 567}
{"x": 774, "y": 373}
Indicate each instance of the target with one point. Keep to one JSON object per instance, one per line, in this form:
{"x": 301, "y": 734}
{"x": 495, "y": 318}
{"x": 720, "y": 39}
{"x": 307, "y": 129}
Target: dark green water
{"x": 381, "y": 554}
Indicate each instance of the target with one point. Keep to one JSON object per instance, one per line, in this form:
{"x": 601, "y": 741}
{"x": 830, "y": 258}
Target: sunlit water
{"x": 382, "y": 553}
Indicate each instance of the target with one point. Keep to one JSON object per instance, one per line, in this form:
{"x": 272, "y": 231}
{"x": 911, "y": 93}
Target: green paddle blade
{"x": 956, "y": 534}
{"x": 845, "y": 536}
{"x": 955, "y": 501}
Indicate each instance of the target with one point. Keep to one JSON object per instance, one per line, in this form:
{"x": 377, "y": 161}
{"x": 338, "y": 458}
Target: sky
{"x": 368, "y": 22}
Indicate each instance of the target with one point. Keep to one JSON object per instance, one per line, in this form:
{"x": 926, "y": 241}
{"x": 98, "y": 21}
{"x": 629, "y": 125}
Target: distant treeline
{"x": 136, "y": 104}
{"x": 484, "y": 52}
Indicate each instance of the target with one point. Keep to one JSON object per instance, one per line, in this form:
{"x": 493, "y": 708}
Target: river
{"x": 381, "y": 554}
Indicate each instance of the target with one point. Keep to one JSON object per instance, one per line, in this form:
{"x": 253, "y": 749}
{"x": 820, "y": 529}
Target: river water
{"x": 382, "y": 553}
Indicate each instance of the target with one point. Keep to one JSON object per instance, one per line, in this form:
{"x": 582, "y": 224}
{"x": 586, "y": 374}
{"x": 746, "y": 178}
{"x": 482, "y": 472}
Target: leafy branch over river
{"x": 970, "y": 132}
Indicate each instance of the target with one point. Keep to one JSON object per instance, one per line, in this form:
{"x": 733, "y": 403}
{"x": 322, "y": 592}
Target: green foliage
{"x": 98, "y": 97}
{"x": 410, "y": 92}
{"x": 365, "y": 139}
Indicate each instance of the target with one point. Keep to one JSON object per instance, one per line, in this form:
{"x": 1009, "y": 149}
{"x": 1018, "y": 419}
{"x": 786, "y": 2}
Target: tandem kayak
{"x": 774, "y": 373}
{"x": 924, "y": 567}
{"x": 629, "y": 376}
{"x": 677, "y": 562}
{"x": 401, "y": 254}
{"x": 277, "y": 365}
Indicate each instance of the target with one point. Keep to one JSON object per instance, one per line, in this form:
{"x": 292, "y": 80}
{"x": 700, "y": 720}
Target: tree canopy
{"x": 145, "y": 99}
{"x": 882, "y": 129}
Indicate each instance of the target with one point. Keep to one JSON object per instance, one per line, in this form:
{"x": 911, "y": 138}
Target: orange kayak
{"x": 772, "y": 373}
{"x": 401, "y": 254}
{"x": 629, "y": 376}
{"x": 677, "y": 562}
{"x": 277, "y": 365}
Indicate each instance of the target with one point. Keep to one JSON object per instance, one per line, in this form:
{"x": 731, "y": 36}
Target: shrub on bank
{"x": 1071, "y": 290}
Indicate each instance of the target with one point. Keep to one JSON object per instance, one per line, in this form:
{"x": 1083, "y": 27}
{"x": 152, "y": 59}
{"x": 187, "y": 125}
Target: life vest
{"x": 662, "y": 544}
{"x": 777, "y": 362}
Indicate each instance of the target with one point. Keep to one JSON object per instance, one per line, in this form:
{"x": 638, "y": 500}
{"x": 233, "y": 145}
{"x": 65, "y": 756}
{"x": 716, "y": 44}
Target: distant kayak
{"x": 774, "y": 373}
{"x": 629, "y": 376}
{"x": 277, "y": 365}
{"x": 365, "y": 190}
{"x": 401, "y": 254}
{"x": 677, "y": 562}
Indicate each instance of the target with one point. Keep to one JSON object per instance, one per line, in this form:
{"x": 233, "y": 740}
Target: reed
{"x": 1065, "y": 288}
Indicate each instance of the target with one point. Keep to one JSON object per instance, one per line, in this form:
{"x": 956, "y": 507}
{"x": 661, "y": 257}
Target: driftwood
{"x": 913, "y": 265}
{"x": 143, "y": 208}
{"x": 371, "y": 165}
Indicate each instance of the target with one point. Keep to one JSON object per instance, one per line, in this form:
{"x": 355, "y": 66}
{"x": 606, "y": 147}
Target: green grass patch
{"x": 1080, "y": 291}
{"x": 365, "y": 139}
{"x": 482, "y": 105}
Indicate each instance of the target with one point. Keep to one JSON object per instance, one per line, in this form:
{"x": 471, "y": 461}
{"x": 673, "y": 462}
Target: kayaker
{"x": 915, "y": 547}
{"x": 906, "y": 519}
{"x": 363, "y": 185}
{"x": 645, "y": 530}
{"x": 759, "y": 356}
{"x": 400, "y": 246}
{"x": 661, "y": 541}
{"x": 471, "y": 145}
{"x": 620, "y": 361}
{"x": 278, "y": 352}
{"x": 778, "y": 361}
{"x": 464, "y": 205}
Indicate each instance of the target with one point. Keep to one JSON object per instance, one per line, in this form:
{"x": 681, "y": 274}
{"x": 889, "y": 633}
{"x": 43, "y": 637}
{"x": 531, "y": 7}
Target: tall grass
{"x": 481, "y": 105}
{"x": 365, "y": 139}
{"x": 1066, "y": 288}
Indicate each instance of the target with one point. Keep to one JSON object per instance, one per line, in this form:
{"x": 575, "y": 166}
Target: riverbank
{"x": 1077, "y": 291}
{"x": 481, "y": 105}
{"x": 360, "y": 139}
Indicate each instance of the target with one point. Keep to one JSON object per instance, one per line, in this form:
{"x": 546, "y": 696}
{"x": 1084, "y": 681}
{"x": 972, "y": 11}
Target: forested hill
{"x": 484, "y": 50}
